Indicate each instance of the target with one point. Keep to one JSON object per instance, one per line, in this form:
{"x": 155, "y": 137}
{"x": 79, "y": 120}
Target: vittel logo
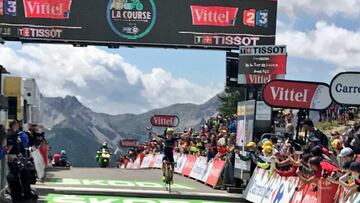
{"x": 164, "y": 120}
{"x": 52, "y": 9}
{"x": 297, "y": 94}
{"x": 213, "y": 15}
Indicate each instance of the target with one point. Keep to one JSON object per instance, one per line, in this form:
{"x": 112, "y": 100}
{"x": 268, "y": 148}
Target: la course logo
{"x": 131, "y": 19}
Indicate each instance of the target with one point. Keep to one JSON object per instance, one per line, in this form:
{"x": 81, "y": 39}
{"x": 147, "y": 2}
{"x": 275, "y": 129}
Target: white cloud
{"x": 162, "y": 87}
{"x": 326, "y": 42}
{"x": 102, "y": 80}
{"x": 331, "y": 8}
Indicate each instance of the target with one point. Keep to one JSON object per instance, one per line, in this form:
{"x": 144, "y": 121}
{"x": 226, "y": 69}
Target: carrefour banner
{"x": 171, "y": 23}
{"x": 264, "y": 188}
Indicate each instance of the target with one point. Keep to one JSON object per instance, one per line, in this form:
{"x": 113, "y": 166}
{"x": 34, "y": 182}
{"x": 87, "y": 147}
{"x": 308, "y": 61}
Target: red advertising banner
{"x": 48, "y": 9}
{"x": 165, "y": 120}
{"x": 297, "y": 94}
{"x": 128, "y": 143}
{"x": 215, "y": 172}
{"x": 191, "y": 159}
{"x": 306, "y": 194}
{"x": 327, "y": 191}
{"x": 214, "y": 15}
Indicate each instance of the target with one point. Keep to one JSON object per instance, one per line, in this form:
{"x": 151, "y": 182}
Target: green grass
{"x": 327, "y": 126}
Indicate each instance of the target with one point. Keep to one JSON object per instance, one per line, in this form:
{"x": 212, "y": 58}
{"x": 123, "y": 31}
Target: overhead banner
{"x": 260, "y": 64}
{"x": 345, "y": 88}
{"x": 172, "y": 23}
{"x": 297, "y": 94}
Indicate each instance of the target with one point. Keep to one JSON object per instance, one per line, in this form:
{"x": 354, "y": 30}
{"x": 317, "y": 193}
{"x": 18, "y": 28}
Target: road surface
{"x": 115, "y": 185}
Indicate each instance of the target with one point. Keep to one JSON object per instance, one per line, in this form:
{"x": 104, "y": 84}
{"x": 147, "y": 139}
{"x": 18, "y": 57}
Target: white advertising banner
{"x": 345, "y": 88}
{"x": 39, "y": 163}
{"x": 158, "y": 162}
{"x": 240, "y": 164}
{"x": 146, "y": 161}
{"x": 263, "y": 111}
{"x": 180, "y": 163}
{"x": 199, "y": 168}
{"x": 207, "y": 171}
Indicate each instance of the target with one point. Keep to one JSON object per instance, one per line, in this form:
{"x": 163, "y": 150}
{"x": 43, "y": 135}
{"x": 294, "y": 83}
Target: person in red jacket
{"x": 320, "y": 169}
{"x": 56, "y": 159}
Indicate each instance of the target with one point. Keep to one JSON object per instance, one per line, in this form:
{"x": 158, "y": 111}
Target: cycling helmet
{"x": 169, "y": 131}
{"x": 63, "y": 152}
{"x": 105, "y": 144}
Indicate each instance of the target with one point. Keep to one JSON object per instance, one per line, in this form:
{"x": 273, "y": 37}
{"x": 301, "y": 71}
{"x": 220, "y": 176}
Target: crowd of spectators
{"x": 342, "y": 114}
{"x": 215, "y": 139}
{"x": 335, "y": 155}
{"x": 22, "y": 172}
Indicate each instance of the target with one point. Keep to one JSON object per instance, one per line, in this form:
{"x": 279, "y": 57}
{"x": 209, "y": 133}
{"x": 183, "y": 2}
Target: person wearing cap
{"x": 250, "y": 154}
{"x": 346, "y": 156}
{"x": 314, "y": 132}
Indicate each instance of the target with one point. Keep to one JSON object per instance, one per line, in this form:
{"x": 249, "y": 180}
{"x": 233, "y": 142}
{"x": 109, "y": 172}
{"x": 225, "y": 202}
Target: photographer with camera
{"x": 19, "y": 176}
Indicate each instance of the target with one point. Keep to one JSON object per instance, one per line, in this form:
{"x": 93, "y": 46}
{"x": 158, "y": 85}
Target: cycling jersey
{"x": 169, "y": 147}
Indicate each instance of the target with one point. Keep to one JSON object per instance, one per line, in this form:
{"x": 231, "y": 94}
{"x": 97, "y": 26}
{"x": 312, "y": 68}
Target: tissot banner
{"x": 171, "y": 23}
{"x": 260, "y": 64}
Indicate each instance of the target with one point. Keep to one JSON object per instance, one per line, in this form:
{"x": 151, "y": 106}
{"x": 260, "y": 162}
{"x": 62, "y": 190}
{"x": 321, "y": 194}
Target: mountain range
{"x": 80, "y": 131}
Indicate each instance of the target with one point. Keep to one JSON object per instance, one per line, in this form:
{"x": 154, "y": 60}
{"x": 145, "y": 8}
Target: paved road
{"x": 121, "y": 183}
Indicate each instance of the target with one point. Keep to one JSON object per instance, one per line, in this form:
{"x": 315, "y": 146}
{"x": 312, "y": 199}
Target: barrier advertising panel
{"x": 265, "y": 188}
{"x": 297, "y": 94}
{"x": 345, "y": 88}
{"x": 211, "y": 24}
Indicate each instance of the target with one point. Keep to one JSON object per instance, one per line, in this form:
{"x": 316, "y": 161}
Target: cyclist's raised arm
{"x": 157, "y": 136}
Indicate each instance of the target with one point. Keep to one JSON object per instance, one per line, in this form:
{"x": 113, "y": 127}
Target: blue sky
{"x": 322, "y": 37}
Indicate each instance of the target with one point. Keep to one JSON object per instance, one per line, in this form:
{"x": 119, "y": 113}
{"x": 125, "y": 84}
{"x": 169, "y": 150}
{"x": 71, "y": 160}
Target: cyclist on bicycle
{"x": 169, "y": 143}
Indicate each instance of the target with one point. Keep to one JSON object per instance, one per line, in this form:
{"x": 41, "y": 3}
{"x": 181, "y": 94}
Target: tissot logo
{"x": 227, "y": 40}
{"x": 213, "y": 15}
{"x": 54, "y": 9}
{"x": 40, "y": 32}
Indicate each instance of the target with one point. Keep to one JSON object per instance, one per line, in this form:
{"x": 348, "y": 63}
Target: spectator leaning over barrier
{"x": 320, "y": 168}
{"x": 250, "y": 154}
{"x": 314, "y": 132}
{"x": 354, "y": 176}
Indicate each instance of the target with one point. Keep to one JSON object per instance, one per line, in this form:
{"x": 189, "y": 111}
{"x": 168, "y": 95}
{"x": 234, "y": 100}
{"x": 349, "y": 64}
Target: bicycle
{"x": 169, "y": 175}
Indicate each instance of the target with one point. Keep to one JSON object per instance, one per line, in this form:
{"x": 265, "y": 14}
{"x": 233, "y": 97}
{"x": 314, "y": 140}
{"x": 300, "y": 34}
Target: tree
{"x": 229, "y": 98}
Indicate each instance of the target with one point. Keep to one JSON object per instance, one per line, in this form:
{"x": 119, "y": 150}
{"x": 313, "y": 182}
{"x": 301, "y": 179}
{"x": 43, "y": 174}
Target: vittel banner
{"x": 201, "y": 24}
{"x": 345, "y": 88}
{"x": 297, "y": 94}
{"x": 164, "y": 120}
